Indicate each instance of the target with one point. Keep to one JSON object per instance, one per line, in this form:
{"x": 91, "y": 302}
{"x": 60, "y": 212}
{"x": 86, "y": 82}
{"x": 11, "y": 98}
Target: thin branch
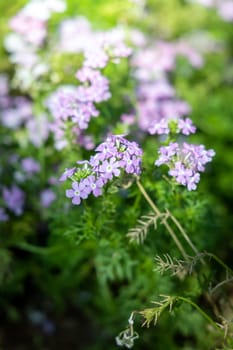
{"x": 220, "y": 284}
{"x": 157, "y": 212}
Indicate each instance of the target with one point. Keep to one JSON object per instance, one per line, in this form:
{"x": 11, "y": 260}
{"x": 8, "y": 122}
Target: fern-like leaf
{"x": 166, "y": 263}
{"x": 139, "y": 233}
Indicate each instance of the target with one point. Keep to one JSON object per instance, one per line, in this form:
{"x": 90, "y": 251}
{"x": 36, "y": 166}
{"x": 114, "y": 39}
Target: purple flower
{"x": 95, "y": 184}
{"x": 30, "y": 166}
{"x": 180, "y": 173}
{"x": 14, "y": 199}
{"x": 96, "y": 58}
{"x": 47, "y": 196}
{"x": 98, "y": 47}
{"x": 160, "y": 127}
{"x": 68, "y": 104}
{"x": 131, "y": 164}
{"x": 110, "y": 168}
{"x": 79, "y": 191}
{"x": 185, "y": 162}
{"x": 186, "y": 126}
{"x": 106, "y": 150}
{"x": 67, "y": 174}
{"x": 111, "y": 157}
{"x": 16, "y": 112}
{"x": 98, "y": 86}
{"x": 127, "y": 153}
{"x": 86, "y": 141}
{"x": 166, "y": 153}
{"x": 128, "y": 119}
{"x": 38, "y": 130}
{"x": 37, "y": 33}
{"x": 155, "y": 90}
{"x": 193, "y": 181}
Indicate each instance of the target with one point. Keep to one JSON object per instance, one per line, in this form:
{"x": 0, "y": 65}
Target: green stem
{"x": 146, "y": 196}
{"x": 184, "y": 234}
{"x": 226, "y": 267}
{"x": 203, "y": 313}
{"x": 157, "y": 212}
{"x": 35, "y": 249}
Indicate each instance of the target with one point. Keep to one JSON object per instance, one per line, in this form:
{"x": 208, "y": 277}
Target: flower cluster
{"x": 35, "y": 14}
{"x": 185, "y": 162}
{"x": 76, "y": 104}
{"x": 23, "y": 171}
{"x": 95, "y": 86}
{"x": 224, "y": 7}
{"x": 29, "y": 31}
{"x": 159, "y": 58}
{"x": 16, "y": 111}
{"x": 159, "y": 111}
{"x": 98, "y": 47}
{"x": 112, "y": 157}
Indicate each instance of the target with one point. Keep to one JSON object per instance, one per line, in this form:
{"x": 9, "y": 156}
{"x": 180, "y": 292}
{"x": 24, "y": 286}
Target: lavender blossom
{"x": 47, "y": 197}
{"x": 38, "y": 129}
{"x": 98, "y": 86}
{"x": 111, "y": 159}
{"x": 24, "y": 44}
{"x": 96, "y": 58}
{"x": 30, "y": 166}
{"x": 14, "y": 199}
{"x": 69, "y": 104}
{"x": 128, "y": 119}
{"x": 37, "y": 32}
{"x": 110, "y": 168}
{"x": 98, "y": 47}
{"x": 67, "y": 174}
{"x": 165, "y": 126}
{"x": 79, "y": 191}
{"x": 158, "y": 108}
{"x": 17, "y": 111}
{"x": 185, "y": 162}
{"x": 95, "y": 185}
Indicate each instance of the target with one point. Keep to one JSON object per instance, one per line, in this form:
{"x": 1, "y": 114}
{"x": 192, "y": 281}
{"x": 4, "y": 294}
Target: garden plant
{"x": 116, "y": 174}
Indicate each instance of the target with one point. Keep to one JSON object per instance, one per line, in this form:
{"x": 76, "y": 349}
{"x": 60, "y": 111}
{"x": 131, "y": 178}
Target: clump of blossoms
{"x": 112, "y": 158}
{"x": 17, "y": 112}
{"x": 185, "y": 162}
{"x": 77, "y": 103}
{"x": 98, "y": 47}
{"x": 159, "y": 110}
{"x": 66, "y": 103}
{"x": 29, "y": 33}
